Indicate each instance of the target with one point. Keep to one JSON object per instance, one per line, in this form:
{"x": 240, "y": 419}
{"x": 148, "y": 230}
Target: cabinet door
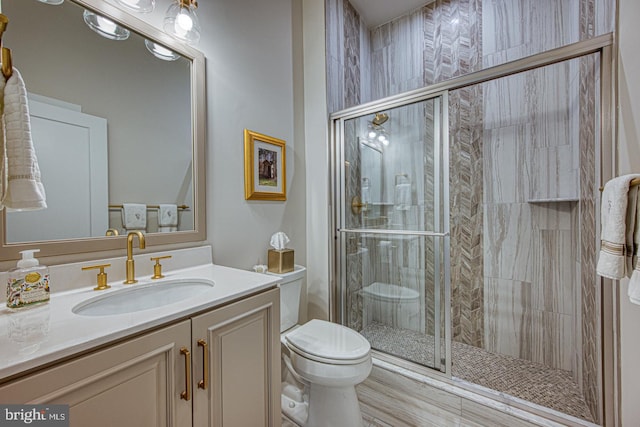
{"x": 242, "y": 387}
{"x": 135, "y": 383}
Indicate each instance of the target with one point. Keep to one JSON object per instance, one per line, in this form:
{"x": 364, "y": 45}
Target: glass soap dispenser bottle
{"x": 28, "y": 283}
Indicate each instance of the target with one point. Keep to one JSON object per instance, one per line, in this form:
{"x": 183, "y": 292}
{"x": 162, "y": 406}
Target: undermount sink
{"x": 143, "y": 297}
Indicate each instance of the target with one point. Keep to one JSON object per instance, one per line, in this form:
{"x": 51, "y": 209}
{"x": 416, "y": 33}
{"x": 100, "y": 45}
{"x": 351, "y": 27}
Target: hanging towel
{"x": 167, "y": 218}
{"x": 618, "y": 218}
{"x": 402, "y": 197}
{"x": 21, "y": 186}
{"x": 631, "y": 225}
{"x": 633, "y": 292}
{"x": 134, "y": 216}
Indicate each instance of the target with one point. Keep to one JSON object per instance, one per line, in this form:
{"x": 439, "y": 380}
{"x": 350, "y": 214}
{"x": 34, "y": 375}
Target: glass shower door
{"x": 393, "y": 223}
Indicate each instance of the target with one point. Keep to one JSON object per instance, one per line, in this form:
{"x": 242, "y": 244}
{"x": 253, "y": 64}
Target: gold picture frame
{"x": 265, "y": 167}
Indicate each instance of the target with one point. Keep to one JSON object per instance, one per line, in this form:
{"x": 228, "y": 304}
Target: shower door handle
{"x": 357, "y": 205}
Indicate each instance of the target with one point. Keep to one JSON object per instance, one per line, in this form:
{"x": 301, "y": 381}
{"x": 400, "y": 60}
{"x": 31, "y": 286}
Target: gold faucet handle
{"x": 102, "y": 276}
{"x": 157, "y": 268}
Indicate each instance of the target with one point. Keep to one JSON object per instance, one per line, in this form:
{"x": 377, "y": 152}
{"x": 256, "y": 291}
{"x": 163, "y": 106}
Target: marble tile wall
{"x": 452, "y": 47}
{"x": 344, "y": 36}
{"x": 550, "y": 143}
{"x": 531, "y": 134}
{"x": 595, "y": 18}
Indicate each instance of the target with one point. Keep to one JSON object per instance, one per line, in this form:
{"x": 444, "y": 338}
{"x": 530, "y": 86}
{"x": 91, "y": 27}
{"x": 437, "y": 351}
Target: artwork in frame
{"x": 264, "y": 167}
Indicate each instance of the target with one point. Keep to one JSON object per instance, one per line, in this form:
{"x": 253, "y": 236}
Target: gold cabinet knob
{"x": 157, "y": 268}
{"x": 102, "y": 276}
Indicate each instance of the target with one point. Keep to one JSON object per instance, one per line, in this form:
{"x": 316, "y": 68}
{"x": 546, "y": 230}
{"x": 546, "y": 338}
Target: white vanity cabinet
{"x": 230, "y": 353}
{"x": 236, "y": 353}
{"x": 134, "y": 383}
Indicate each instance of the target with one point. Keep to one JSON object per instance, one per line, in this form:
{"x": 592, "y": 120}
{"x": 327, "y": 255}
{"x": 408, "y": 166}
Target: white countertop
{"x": 46, "y": 333}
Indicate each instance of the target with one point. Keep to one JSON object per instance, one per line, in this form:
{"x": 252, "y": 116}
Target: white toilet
{"x": 323, "y": 363}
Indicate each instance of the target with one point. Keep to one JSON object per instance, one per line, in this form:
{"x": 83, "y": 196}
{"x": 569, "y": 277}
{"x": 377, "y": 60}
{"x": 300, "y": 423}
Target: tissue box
{"x": 280, "y": 261}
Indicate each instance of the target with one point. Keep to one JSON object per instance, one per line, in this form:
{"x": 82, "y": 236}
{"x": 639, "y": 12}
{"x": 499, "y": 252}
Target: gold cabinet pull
{"x": 186, "y": 395}
{"x": 205, "y": 364}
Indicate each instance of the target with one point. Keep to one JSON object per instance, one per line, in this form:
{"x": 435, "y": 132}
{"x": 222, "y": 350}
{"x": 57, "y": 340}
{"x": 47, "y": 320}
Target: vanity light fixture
{"x": 160, "y": 51}
{"x": 181, "y": 21}
{"x": 105, "y": 27}
{"x": 140, "y": 6}
{"x": 52, "y": 2}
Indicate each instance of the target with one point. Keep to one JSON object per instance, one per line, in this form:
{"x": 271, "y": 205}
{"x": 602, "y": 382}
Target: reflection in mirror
{"x": 114, "y": 122}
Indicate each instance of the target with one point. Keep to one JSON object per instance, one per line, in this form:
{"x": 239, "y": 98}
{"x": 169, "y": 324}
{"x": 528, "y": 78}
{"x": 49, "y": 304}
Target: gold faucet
{"x": 131, "y": 270}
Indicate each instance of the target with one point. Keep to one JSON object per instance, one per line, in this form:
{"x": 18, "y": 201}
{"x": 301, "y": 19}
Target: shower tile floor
{"x": 533, "y": 382}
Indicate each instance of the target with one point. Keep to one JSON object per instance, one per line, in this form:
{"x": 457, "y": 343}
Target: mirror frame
{"x": 10, "y": 251}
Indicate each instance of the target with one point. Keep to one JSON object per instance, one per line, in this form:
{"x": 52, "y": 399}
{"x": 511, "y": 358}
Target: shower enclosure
{"x": 466, "y": 238}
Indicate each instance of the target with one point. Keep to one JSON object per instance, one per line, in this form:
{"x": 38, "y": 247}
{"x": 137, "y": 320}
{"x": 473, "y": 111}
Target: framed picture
{"x": 265, "y": 172}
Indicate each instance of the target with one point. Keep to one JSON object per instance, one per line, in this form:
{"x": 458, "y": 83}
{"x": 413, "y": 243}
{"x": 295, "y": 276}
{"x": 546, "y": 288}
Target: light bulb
{"x": 184, "y": 23}
{"x": 160, "y": 51}
{"x": 106, "y": 24}
{"x": 181, "y": 22}
{"x": 372, "y": 134}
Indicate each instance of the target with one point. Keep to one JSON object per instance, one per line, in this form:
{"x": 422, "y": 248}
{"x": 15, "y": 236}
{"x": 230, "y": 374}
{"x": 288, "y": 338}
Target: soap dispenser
{"x": 28, "y": 283}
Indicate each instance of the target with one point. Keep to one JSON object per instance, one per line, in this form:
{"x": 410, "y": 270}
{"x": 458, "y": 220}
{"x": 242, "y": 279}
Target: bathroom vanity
{"x": 212, "y": 359}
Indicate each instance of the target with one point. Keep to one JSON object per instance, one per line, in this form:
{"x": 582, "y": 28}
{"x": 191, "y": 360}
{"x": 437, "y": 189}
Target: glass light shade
{"x": 140, "y": 6}
{"x": 181, "y": 22}
{"x": 105, "y": 27}
{"x": 160, "y": 51}
{"x": 53, "y": 2}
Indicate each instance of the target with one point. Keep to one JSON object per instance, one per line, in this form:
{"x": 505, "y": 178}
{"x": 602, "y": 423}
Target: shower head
{"x": 379, "y": 119}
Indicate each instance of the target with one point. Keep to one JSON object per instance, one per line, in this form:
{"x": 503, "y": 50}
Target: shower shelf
{"x": 558, "y": 200}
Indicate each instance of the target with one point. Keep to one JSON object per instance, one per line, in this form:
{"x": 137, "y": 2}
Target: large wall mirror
{"x": 112, "y": 124}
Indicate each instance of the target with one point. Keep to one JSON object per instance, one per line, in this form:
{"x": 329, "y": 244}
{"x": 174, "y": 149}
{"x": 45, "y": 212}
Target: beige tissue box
{"x": 280, "y": 261}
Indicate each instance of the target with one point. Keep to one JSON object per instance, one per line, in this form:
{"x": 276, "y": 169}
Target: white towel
{"x": 134, "y": 216}
{"x": 615, "y": 229}
{"x": 634, "y": 283}
{"x": 402, "y": 197}
{"x": 20, "y": 184}
{"x": 167, "y": 218}
{"x": 631, "y": 226}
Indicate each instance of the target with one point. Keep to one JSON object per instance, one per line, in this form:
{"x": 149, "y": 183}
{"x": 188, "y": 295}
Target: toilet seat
{"x": 389, "y": 292}
{"x": 329, "y": 343}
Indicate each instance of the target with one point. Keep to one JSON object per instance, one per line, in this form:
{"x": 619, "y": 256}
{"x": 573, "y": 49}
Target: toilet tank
{"x": 290, "y": 287}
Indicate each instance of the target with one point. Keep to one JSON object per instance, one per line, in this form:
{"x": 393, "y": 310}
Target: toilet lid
{"x": 328, "y": 341}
